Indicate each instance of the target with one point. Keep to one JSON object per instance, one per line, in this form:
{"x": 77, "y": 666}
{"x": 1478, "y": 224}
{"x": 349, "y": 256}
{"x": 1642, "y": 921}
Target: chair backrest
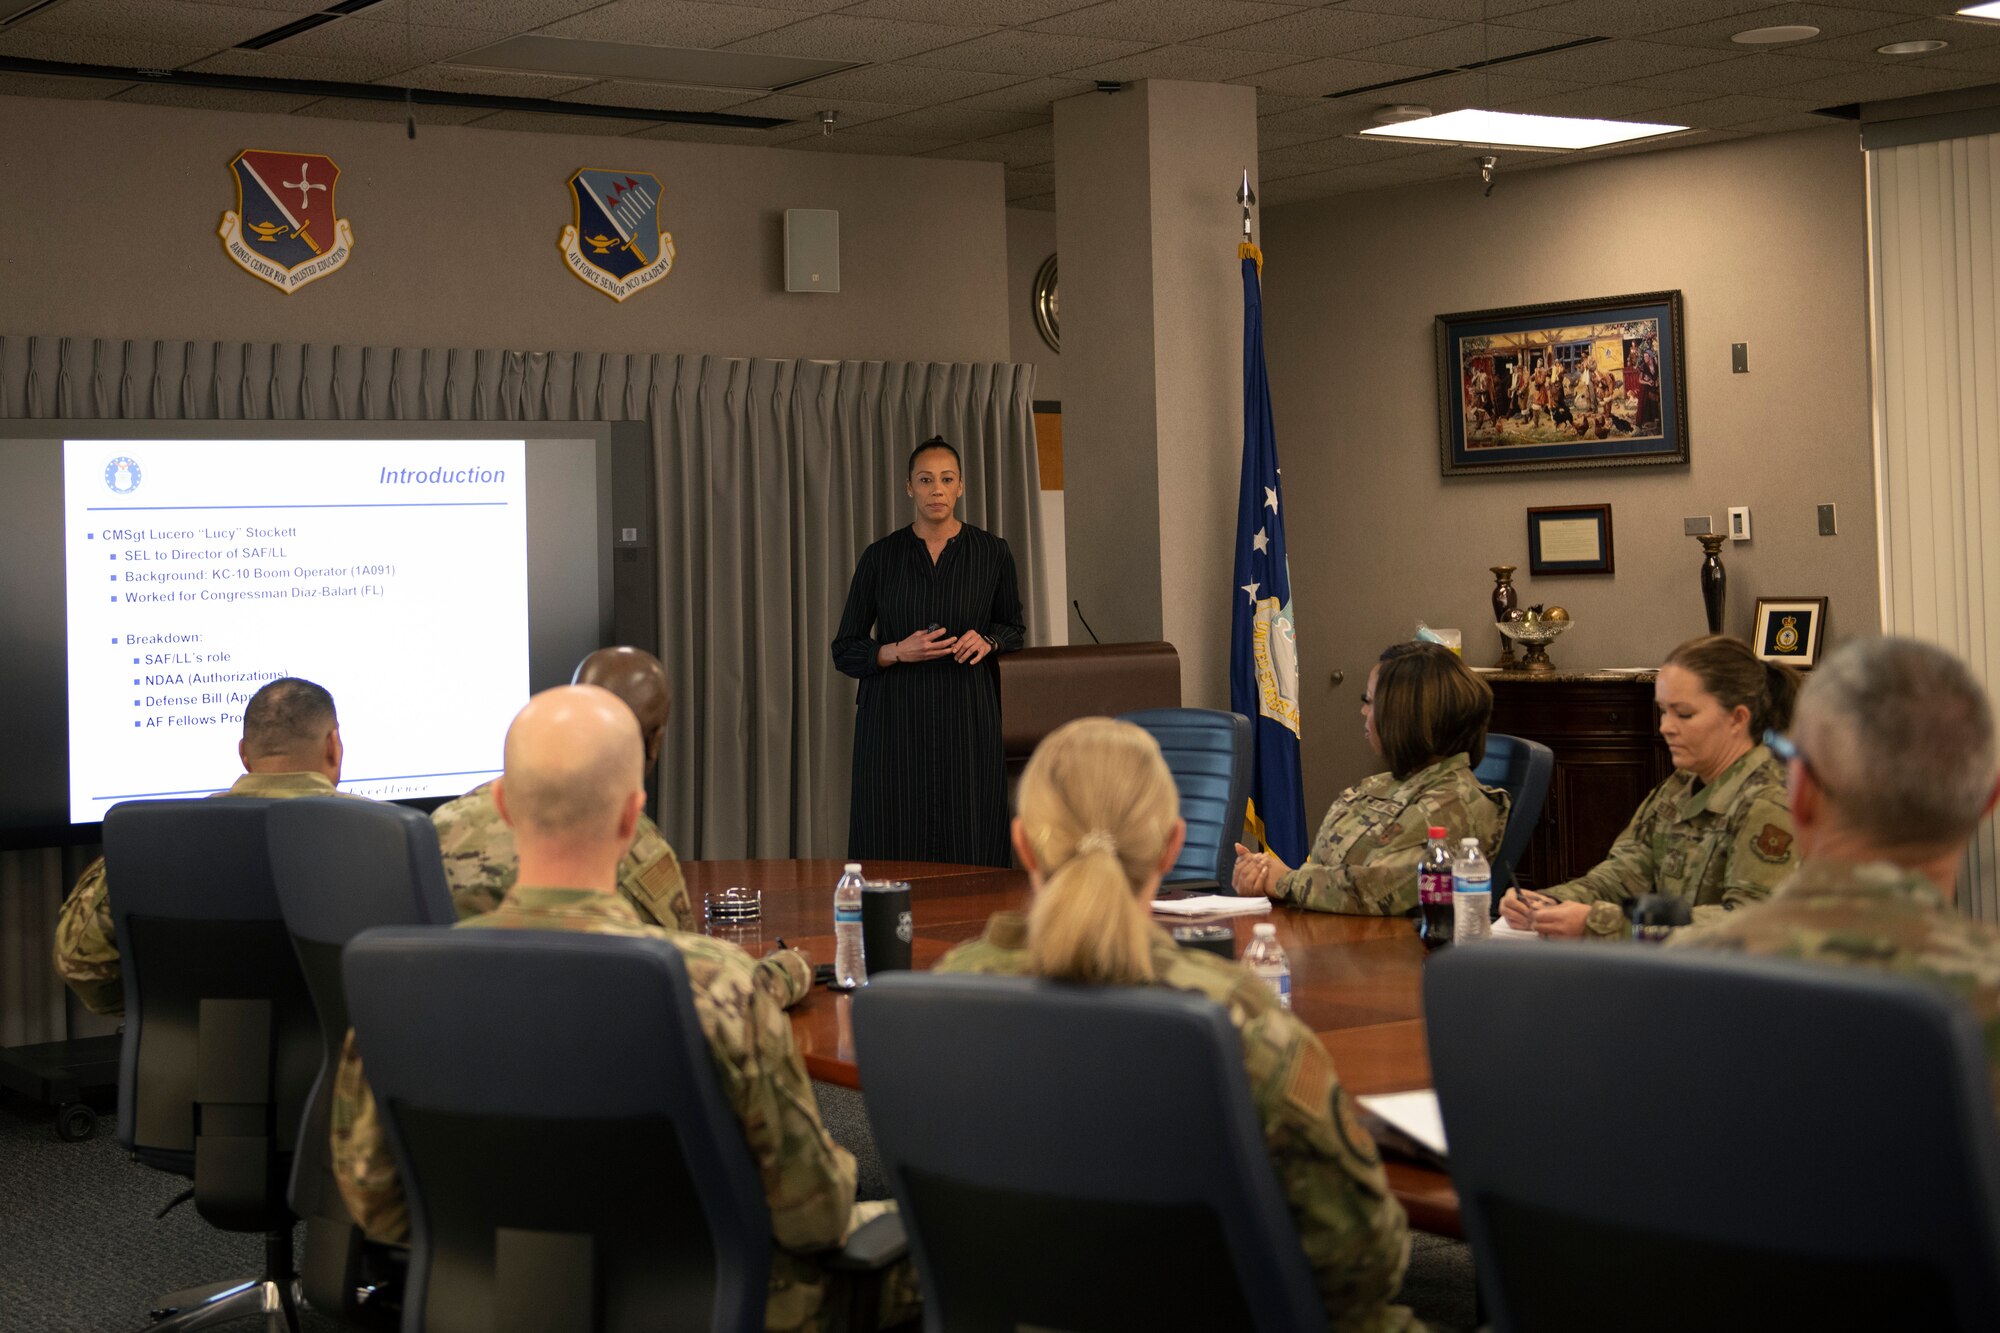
{"x": 562, "y": 1139}
{"x": 1781, "y": 1144}
{"x": 1522, "y": 769}
{"x": 1208, "y": 752}
{"x": 1040, "y": 1185}
{"x": 221, "y": 1044}
{"x": 341, "y": 866}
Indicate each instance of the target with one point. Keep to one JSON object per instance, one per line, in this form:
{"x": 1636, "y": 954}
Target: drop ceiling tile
{"x": 974, "y": 150}
{"x": 1164, "y": 21}
{"x": 388, "y": 113}
{"x": 1324, "y": 121}
{"x": 1462, "y": 88}
{"x": 912, "y": 85}
{"x": 801, "y": 107}
{"x": 1614, "y": 62}
{"x": 495, "y": 15}
{"x": 773, "y": 138}
{"x": 550, "y": 122}
{"x": 1738, "y": 74}
{"x": 1323, "y": 32}
{"x": 1877, "y": 85}
{"x": 392, "y": 47}
{"x": 956, "y": 122}
{"x": 1832, "y": 21}
{"x": 844, "y": 37}
{"x": 1195, "y": 64}
{"x": 168, "y": 22}
{"x": 1270, "y": 103}
{"x": 1341, "y": 151}
{"x": 492, "y": 82}
{"x": 56, "y": 87}
{"x": 1040, "y": 203}
{"x": 1611, "y": 101}
{"x": 79, "y": 48}
{"x": 1006, "y": 13}
{"x": 1716, "y": 113}
{"x": 873, "y": 145}
{"x": 683, "y": 23}
{"x": 278, "y": 63}
{"x": 1467, "y": 44}
{"x": 1027, "y": 147}
{"x": 1456, "y": 11}
{"x": 1318, "y": 78}
{"x": 1003, "y": 148}
{"x": 1862, "y": 46}
{"x": 1983, "y": 60}
{"x": 1784, "y": 124}
{"x": 1036, "y": 95}
{"x": 1628, "y": 18}
{"x": 216, "y": 99}
{"x": 1020, "y": 52}
{"x": 621, "y": 92}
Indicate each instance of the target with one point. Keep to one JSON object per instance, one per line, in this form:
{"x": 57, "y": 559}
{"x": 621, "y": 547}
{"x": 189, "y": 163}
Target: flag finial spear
{"x": 1246, "y": 197}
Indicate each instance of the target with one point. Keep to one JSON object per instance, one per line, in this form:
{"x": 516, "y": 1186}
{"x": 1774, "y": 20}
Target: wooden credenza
{"x": 1608, "y": 756}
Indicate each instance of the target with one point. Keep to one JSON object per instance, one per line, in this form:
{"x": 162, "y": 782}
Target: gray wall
{"x": 110, "y": 229}
{"x": 1031, "y": 238}
{"x": 1766, "y": 240}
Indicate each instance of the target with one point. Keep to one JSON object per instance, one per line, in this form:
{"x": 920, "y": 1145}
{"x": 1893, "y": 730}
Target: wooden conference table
{"x": 1356, "y": 981}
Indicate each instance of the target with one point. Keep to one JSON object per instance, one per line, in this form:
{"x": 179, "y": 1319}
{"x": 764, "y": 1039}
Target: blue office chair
{"x": 1522, "y": 769}
{"x": 341, "y": 866}
{"x": 1023, "y": 1209}
{"x": 568, "y": 1157}
{"x": 221, "y": 1044}
{"x": 1776, "y": 1144}
{"x": 1208, "y": 752}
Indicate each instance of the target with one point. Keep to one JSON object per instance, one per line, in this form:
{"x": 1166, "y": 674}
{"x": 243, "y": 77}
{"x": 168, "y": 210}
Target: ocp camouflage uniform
{"x": 808, "y": 1179}
{"x": 86, "y": 940}
{"x": 1364, "y": 860}
{"x": 1720, "y": 847}
{"x": 480, "y": 862}
{"x": 1877, "y": 916}
{"x": 1353, "y": 1231}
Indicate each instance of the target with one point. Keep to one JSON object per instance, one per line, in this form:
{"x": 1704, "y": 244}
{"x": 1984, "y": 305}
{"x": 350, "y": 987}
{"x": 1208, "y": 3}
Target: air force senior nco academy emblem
{"x": 283, "y": 229}
{"x": 616, "y": 244}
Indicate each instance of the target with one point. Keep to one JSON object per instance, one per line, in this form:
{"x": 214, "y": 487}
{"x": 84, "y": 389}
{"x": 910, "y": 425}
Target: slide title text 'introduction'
{"x": 439, "y": 475}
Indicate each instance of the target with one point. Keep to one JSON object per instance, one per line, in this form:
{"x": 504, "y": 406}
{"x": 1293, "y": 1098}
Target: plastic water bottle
{"x": 1266, "y": 957}
{"x": 1434, "y": 891}
{"x": 850, "y": 968}
{"x": 1471, "y": 893}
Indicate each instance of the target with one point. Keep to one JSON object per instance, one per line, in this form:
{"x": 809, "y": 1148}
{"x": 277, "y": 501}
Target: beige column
{"x": 1152, "y": 326}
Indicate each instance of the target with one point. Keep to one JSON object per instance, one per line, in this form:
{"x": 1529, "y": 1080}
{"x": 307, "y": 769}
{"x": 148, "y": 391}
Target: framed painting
{"x": 1570, "y": 539}
{"x": 1789, "y": 630}
{"x": 1569, "y": 384}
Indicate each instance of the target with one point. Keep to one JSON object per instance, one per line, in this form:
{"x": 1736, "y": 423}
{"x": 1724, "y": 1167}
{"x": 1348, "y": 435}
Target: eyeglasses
{"x": 1787, "y": 750}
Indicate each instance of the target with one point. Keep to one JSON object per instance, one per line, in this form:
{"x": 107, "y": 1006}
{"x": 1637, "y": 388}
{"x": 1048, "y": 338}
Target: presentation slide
{"x": 393, "y": 572}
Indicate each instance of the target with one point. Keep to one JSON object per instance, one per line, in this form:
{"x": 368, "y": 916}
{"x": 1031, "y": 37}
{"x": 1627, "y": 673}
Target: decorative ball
{"x": 1555, "y": 613}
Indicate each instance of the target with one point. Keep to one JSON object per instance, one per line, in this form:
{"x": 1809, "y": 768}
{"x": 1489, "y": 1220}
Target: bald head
{"x": 573, "y": 770}
{"x": 637, "y": 677}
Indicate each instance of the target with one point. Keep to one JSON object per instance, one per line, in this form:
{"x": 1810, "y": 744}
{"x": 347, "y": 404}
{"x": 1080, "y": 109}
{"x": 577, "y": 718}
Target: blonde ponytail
{"x": 1098, "y": 806}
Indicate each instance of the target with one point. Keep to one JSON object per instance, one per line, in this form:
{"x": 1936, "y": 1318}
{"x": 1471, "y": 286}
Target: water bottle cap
{"x": 1264, "y": 930}
{"x": 851, "y": 868}
{"x": 1438, "y": 831}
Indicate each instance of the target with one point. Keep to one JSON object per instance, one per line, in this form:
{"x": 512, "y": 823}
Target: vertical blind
{"x": 1934, "y": 273}
{"x": 772, "y": 478}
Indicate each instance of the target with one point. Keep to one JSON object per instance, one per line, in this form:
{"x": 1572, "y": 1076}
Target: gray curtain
{"x": 772, "y": 477}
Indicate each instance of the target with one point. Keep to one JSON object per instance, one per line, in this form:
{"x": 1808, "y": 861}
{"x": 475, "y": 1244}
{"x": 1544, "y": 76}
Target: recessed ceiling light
{"x": 1990, "y": 10}
{"x": 1510, "y": 129}
{"x": 1784, "y": 32}
{"x": 1915, "y": 48}
{"x": 1400, "y": 112}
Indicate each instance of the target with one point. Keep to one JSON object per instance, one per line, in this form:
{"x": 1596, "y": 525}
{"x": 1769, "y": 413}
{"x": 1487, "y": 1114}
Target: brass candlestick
{"x": 1503, "y": 607}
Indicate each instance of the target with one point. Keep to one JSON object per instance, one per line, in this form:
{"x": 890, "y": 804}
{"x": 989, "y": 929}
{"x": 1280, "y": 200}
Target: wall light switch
{"x": 1739, "y": 523}
{"x": 1694, "y": 527}
{"x": 1829, "y": 525}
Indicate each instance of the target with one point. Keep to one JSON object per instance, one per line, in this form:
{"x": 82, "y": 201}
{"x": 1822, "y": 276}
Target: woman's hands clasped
{"x": 927, "y": 645}
{"x": 1256, "y": 873}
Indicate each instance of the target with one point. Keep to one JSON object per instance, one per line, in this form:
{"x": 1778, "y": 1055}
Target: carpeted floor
{"x": 80, "y": 1250}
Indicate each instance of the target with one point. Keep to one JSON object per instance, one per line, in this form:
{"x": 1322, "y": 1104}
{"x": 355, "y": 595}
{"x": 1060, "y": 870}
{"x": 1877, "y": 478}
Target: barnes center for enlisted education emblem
{"x": 283, "y": 229}
{"x": 616, "y": 244}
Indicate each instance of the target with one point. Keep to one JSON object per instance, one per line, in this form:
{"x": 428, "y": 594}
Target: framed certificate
{"x": 1569, "y": 539}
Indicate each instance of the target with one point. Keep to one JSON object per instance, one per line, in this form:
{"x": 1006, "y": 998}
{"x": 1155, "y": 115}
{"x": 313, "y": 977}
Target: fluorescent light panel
{"x": 1990, "y": 10}
{"x": 1509, "y": 129}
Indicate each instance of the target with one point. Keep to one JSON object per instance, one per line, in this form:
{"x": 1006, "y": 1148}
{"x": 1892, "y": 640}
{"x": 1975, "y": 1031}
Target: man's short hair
{"x": 287, "y": 716}
{"x": 1899, "y": 735}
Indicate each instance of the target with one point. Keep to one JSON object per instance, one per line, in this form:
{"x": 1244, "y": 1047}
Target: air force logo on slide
{"x": 121, "y": 475}
{"x": 283, "y": 229}
{"x": 616, "y": 244}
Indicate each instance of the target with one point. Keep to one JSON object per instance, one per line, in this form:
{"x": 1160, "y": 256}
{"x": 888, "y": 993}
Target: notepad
{"x": 1409, "y": 1122}
{"x": 1502, "y": 931}
{"x": 1212, "y": 904}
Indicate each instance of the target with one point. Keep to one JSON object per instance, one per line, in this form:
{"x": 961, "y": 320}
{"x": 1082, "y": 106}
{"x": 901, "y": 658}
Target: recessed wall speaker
{"x": 812, "y": 250}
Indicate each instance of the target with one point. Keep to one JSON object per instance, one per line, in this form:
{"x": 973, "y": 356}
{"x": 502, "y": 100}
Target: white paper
{"x": 1502, "y": 931}
{"x": 1567, "y": 539}
{"x": 1415, "y": 1113}
{"x": 1211, "y": 904}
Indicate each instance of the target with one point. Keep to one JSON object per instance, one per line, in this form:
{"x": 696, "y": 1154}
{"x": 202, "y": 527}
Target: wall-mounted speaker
{"x": 812, "y": 250}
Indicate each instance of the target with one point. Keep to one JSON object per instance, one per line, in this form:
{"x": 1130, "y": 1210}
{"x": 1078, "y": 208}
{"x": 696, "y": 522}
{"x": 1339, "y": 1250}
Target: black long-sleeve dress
{"x": 930, "y": 781}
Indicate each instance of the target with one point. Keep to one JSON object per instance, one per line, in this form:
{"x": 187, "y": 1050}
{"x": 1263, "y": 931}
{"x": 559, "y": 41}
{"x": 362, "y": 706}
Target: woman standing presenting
{"x": 929, "y": 604}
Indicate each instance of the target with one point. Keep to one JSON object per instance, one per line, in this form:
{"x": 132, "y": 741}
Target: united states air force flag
{"x": 1263, "y": 656}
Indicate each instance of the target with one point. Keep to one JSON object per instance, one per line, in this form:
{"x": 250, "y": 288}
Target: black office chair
{"x": 1208, "y": 752}
{"x": 221, "y": 1045}
{"x": 341, "y": 866}
{"x": 568, "y": 1157}
{"x": 1715, "y": 1142}
{"x": 1040, "y": 1185}
{"x": 1522, "y": 768}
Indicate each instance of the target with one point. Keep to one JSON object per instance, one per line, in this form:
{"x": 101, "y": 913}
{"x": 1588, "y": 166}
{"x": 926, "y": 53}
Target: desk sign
{"x": 283, "y": 229}
{"x": 616, "y": 244}
{"x": 1569, "y": 539}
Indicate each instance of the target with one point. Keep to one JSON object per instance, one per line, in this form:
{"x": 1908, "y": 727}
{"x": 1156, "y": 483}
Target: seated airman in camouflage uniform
{"x": 1098, "y": 828}
{"x": 290, "y": 747}
{"x": 1718, "y": 832}
{"x": 1426, "y": 714}
{"x": 572, "y": 792}
{"x": 1892, "y": 766}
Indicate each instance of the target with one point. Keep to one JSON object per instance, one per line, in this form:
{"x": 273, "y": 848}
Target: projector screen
{"x": 158, "y": 573}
